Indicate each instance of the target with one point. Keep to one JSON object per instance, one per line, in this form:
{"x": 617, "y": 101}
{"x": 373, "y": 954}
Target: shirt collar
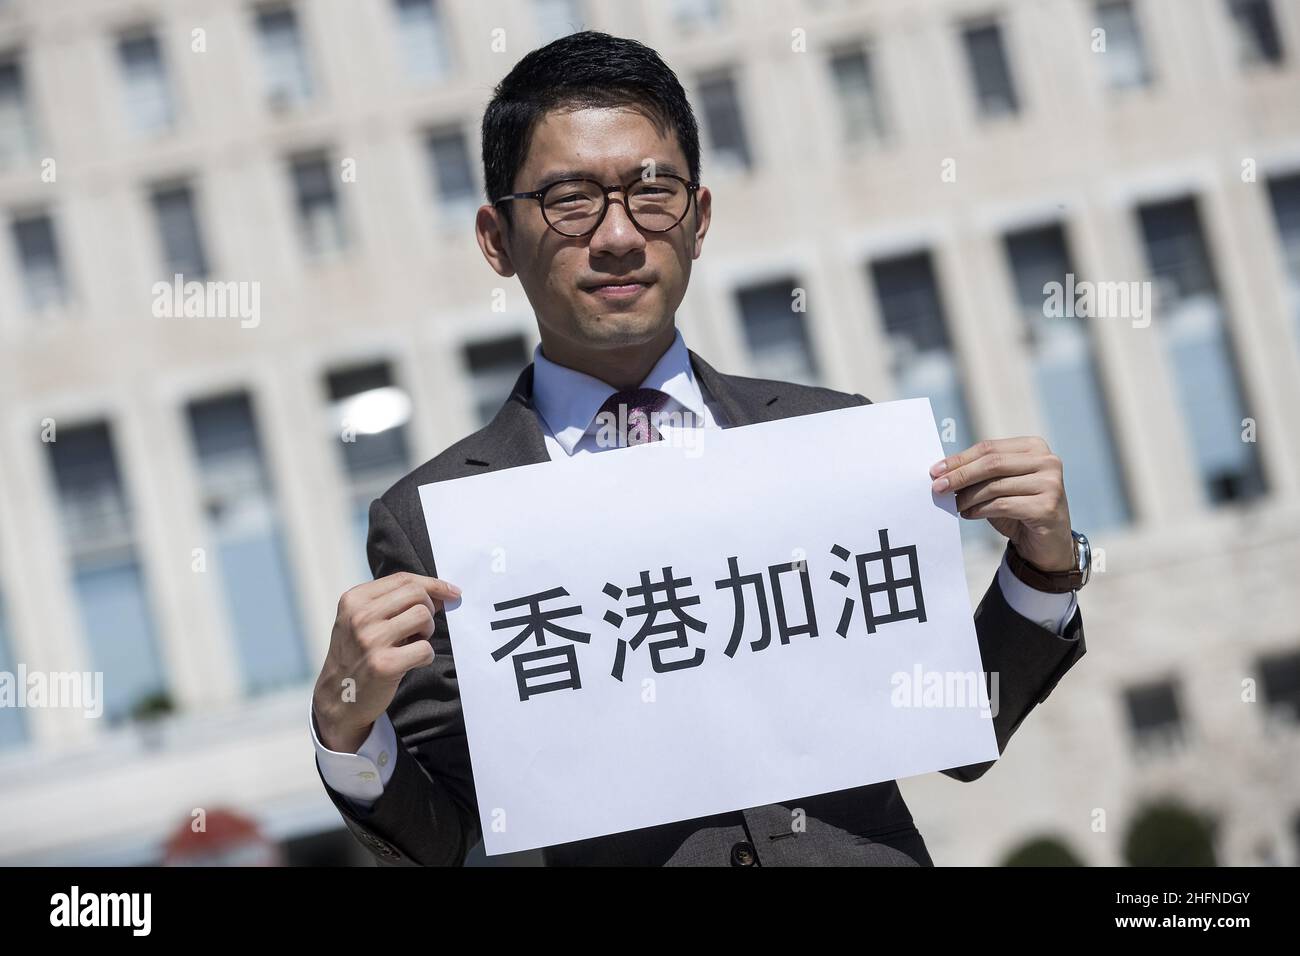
{"x": 568, "y": 399}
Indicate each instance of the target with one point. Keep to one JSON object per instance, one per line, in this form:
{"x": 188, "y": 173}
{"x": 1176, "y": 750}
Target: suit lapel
{"x": 744, "y": 401}
{"x": 514, "y": 436}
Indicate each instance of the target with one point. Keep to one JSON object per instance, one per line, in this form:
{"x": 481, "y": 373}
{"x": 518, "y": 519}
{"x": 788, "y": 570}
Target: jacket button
{"x": 742, "y": 854}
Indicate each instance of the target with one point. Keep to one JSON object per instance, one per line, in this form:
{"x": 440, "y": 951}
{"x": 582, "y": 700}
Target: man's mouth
{"x": 617, "y": 290}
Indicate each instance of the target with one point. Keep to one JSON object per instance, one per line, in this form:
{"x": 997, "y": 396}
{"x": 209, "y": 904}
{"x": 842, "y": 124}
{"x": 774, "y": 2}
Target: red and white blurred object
{"x": 228, "y": 838}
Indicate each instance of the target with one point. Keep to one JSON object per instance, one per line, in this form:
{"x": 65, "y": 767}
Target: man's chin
{"x": 623, "y": 328}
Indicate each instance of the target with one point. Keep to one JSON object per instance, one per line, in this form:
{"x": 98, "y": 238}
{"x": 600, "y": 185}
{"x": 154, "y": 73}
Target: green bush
{"x": 1042, "y": 851}
{"x": 1169, "y": 834}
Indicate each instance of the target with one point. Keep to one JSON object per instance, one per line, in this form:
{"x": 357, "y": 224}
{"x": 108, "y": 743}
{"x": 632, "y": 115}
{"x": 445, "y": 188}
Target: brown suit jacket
{"x": 428, "y": 814}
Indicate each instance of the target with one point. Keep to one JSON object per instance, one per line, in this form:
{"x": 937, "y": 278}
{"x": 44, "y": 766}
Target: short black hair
{"x": 582, "y": 70}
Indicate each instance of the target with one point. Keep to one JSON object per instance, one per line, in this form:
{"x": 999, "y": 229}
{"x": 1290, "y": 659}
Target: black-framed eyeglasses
{"x": 576, "y": 207}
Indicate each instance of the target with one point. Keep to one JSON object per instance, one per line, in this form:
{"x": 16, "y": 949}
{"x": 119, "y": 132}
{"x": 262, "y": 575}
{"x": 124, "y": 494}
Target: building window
{"x": 44, "y": 283}
{"x": 368, "y": 419}
{"x": 284, "y": 58}
{"x": 17, "y": 131}
{"x": 246, "y": 543}
{"x": 775, "y": 332}
{"x": 694, "y": 14}
{"x": 1125, "y": 57}
{"x": 145, "y": 86}
{"x": 1195, "y": 333}
{"x": 1280, "y": 677}
{"x": 320, "y": 212}
{"x": 557, "y": 18}
{"x": 1256, "y": 32}
{"x": 107, "y": 579}
{"x": 494, "y": 366}
{"x": 453, "y": 173}
{"x": 724, "y": 121}
{"x": 1154, "y": 717}
{"x": 13, "y": 729}
{"x": 861, "y": 111}
{"x": 178, "y": 231}
{"x": 923, "y": 363}
{"x": 422, "y": 32}
{"x": 1285, "y": 195}
{"x": 995, "y": 93}
{"x": 1065, "y": 373}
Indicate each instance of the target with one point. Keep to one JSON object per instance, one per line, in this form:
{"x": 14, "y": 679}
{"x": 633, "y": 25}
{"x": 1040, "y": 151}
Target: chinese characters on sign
{"x": 733, "y": 645}
{"x": 555, "y": 667}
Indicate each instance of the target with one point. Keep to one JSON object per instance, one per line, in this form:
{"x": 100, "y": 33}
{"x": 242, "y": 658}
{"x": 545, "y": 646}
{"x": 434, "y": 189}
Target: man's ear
{"x": 703, "y": 216}
{"x": 492, "y": 230}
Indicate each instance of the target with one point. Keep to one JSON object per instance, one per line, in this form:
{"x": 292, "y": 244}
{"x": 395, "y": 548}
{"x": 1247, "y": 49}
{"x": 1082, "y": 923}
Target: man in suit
{"x": 591, "y": 156}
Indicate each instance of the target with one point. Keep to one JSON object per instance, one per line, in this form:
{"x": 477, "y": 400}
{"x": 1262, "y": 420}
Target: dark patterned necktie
{"x": 632, "y": 411}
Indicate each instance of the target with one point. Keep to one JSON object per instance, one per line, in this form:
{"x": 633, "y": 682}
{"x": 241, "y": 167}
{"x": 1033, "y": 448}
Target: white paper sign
{"x": 563, "y": 750}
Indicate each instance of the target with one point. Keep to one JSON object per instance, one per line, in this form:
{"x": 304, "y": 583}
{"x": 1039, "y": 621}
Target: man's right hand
{"x": 381, "y": 631}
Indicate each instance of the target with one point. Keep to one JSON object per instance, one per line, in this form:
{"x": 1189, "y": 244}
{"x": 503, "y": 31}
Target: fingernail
{"x": 940, "y": 485}
{"x": 454, "y": 590}
{"x": 938, "y": 467}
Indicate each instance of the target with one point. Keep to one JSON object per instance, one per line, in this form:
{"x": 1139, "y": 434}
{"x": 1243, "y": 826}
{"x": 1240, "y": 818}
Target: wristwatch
{"x": 1054, "y": 582}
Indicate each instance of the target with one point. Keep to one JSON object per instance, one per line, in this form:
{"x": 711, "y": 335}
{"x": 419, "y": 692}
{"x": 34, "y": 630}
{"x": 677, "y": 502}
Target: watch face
{"x": 1082, "y": 555}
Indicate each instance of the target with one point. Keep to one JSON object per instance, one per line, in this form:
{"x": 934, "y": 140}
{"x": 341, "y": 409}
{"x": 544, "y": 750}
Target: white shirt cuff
{"x": 1052, "y": 611}
{"x": 362, "y": 776}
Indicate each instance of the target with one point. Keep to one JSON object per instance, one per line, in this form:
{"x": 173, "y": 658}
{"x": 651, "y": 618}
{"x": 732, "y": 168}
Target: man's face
{"x": 559, "y": 274}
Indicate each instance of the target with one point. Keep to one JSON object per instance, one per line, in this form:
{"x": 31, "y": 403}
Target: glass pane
{"x": 288, "y": 79}
{"x": 107, "y": 579}
{"x": 724, "y": 122}
{"x": 422, "y": 32}
{"x": 557, "y": 18}
{"x": 1155, "y": 718}
{"x": 320, "y": 214}
{"x": 859, "y": 101}
{"x": 994, "y": 91}
{"x": 776, "y": 334}
{"x": 13, "y": 729}
{"x": 1257, "y": 36}
{"x": 368, "y": 418}
{"x": 43, "y": 281}
{"x": 244, "y": 528}
{"x": 1285, "y": 196}
{"x": 494, "y": 365}
{"x": 1069, "y": 388}
{"x": 922, "y": 361}
{"x": 115, "y": 617}
{"x": 692, "y": 14}
{"x": 1125, "y": 56}
{"x": 1194, "y": 326}
{"x": 453, "y": 171}
{"x": 178, "y": 229}
{"x": 144, "y": 81}
{"x": 17, "y": 136}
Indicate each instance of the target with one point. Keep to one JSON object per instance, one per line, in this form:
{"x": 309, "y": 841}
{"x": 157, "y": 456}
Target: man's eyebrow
{"x": 661, "y": 166}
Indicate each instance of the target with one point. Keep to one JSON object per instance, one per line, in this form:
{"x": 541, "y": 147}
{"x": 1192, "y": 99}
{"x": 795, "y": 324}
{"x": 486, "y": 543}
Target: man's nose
{"x": 617, "y": 232}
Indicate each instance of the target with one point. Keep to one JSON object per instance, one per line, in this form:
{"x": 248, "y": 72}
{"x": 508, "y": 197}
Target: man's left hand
{"x": 1017, "y": 484}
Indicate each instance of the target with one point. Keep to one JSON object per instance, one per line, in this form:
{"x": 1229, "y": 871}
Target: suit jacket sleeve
{"x": 427, "y": 814}
{"x": 1029, "y": 660}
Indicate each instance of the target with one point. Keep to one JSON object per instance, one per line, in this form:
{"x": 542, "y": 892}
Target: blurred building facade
{"x": 182, "y": 498}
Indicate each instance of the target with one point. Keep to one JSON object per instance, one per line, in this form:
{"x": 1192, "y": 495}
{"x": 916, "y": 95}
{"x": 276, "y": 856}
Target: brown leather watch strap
{"x": 1053, "y": 582}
